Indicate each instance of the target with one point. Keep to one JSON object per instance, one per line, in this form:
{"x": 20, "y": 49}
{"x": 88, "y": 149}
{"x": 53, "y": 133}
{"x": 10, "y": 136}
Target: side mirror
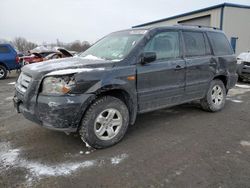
{"x": 148, "y": 57}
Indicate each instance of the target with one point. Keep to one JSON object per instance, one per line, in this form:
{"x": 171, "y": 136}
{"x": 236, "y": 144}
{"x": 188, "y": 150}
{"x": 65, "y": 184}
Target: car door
{"x": 199, "y": 64}
{"x": 161, "y": 83}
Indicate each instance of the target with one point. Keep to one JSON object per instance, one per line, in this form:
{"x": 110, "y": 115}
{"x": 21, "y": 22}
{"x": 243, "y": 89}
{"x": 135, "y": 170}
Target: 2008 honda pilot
{"x": 101, "y": 91}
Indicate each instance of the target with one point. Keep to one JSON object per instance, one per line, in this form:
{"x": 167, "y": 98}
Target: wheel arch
{"x": 118, "y": 92}
{"x": 124, "y": 96}
{"x": 3, "y": 64}
{"x": 223, "y": 78}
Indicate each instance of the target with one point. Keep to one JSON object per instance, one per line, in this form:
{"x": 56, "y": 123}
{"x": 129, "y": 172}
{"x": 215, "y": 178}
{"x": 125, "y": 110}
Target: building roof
{"x": 195, "y": 12}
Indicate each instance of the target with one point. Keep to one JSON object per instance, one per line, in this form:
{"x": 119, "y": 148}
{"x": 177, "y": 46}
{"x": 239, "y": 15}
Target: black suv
{"x": 101, "y": 91}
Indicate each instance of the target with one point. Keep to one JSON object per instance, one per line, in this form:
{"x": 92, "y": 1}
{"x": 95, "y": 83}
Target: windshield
{"x": 114, "y": 46}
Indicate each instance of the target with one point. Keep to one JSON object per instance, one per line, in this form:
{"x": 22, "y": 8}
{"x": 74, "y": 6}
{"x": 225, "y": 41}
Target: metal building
{"x": 233, "y": 19}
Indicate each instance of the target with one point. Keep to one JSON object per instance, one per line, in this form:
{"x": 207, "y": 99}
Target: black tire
{"x": 3, "y": 72}
{"x": 88, "y": 130}
{"x": 208, "y": 103}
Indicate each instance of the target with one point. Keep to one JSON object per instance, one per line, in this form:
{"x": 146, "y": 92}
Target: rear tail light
{"x": 17, "y": 59}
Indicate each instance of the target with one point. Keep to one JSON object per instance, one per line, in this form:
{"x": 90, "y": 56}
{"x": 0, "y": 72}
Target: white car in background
{"x": 243, "y": 66}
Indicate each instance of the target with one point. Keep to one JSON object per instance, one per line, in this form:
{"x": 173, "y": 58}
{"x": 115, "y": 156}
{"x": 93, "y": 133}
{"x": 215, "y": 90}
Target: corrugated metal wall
{"x": 203, "y": 21}
{"x": 236, "y": 24}
{"x": 214, "y": 20}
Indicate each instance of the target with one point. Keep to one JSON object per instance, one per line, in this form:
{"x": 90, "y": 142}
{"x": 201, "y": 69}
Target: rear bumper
{"x": 61, "y": 113}
{"x": 232, "y": 80}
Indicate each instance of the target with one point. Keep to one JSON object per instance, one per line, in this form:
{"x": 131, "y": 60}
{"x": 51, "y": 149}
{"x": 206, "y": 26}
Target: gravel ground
{"x": 176, "y": 147}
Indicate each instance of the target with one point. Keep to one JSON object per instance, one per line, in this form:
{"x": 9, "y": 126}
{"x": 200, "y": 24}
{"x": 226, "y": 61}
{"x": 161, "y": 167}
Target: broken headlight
{"x": 239, "y": 61}
{"x": 58, "y": 85}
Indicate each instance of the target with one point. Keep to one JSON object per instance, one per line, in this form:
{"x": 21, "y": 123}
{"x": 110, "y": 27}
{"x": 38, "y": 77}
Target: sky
{"x": 86, "y": 20}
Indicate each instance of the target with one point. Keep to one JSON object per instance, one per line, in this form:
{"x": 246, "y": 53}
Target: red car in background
{"x": 36, "y": 57}
{"x": 33, "y": 58}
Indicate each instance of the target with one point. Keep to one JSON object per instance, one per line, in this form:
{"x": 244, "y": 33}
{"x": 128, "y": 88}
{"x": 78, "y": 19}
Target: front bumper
{"x": 243, "y": 70}
{"x": 62, "y": 113}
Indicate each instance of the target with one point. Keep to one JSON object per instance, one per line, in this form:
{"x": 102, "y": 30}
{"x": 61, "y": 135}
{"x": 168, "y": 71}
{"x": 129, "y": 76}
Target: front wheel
{"x": 105, "y": 122}
{"x": 215, "y": 98}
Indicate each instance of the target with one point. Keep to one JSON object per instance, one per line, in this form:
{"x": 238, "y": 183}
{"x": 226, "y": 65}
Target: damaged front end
{"x": 49, "y": 101}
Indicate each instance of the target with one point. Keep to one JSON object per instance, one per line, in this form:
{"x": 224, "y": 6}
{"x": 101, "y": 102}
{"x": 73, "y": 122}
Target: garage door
{"x": 203, "y": 21}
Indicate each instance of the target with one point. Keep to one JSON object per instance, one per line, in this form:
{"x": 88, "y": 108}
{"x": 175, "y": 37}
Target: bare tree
{"x": 78, "y": 46}
{"x": 23, "y": 45}
{"x": 30, "y": 46}
{"x": 85, "y": 45}
{"x": 19, "y": 43}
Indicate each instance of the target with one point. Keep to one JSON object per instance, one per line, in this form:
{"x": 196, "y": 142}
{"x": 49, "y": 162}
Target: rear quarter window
{"x": 4, "y": 49}
{"x": 220, "y": 44}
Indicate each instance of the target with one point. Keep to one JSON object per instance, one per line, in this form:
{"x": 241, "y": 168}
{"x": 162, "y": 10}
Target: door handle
{"x": 178, "y": 67}
{"x": 212, "y": 63}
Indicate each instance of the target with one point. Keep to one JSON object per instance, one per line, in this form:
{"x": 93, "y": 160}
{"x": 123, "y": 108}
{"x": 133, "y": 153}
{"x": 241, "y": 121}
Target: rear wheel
{"x": 215, "y": 98}
{"x": 3, "y": 72}
{"x": 105, "y": 122}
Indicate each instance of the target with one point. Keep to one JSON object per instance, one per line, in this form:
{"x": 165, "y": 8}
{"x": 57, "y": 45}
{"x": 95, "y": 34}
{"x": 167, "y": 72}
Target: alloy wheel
{"x": 108, "y": 124}
{"x": 217, "y": 95}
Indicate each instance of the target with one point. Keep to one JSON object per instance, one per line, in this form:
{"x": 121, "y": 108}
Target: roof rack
{"x": 199, "y": 26}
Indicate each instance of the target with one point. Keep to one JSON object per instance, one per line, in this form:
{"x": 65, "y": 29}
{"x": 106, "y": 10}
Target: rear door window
{"x": 220, "y": 44}
{"x": 195, "y": 44}
{"x": 4, "y": 49}
{"x": 165, "y": 45}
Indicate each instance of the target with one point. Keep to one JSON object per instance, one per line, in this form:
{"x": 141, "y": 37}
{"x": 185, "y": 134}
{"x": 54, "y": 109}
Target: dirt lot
{"x": 177, "y": 147}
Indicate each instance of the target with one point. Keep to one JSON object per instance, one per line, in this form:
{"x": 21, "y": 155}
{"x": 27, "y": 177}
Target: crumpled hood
{"x": 244, "y": 57}
{"x": 65, "y": 64}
